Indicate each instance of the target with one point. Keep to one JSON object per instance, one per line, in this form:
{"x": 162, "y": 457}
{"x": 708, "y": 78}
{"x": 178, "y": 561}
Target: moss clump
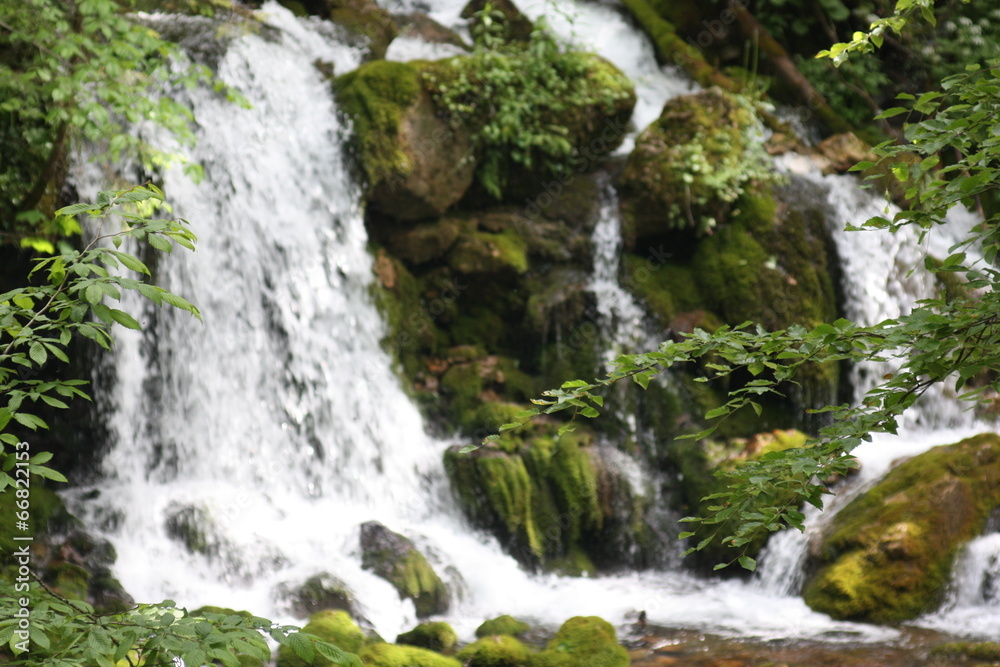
{"x": 334, "y": 626}
{"x": 392, "y": 655}
{"x": 889, "y": 553}
{"x": 46, "y": 513}
{"x": 438, "y": 636}
{"x": 539, "y": 496}
{"x": 376, "y": 96}
{"x": 502, "y": 625}
{"x": 487, "y": 253}
{"x": 495, "y": 651}
{"x": 690, "y": 166}
{"x": 584, "y": 640}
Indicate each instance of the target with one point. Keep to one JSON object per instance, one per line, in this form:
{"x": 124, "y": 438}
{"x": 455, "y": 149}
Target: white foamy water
{"x": 279, "y": 421}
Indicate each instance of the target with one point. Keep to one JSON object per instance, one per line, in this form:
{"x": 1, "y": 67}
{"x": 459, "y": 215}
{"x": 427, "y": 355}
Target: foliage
{"x": 78, "y": 69}
{"x": 951, "y": 158}
{"x": 37, "y": 322}
{"x": 66, "y": 633}
{"x": 515, "y": 92}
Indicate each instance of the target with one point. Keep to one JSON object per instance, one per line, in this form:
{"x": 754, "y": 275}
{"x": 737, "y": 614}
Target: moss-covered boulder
{"x": 334, "y": 626}
{"x": 888, "y": 555}
{"x": 584, "y": 640}
{"x": 553, "y": 504}
{"x": 496, "y": 651}
{"x": 437, "y": 636}
{"x": 416, "y": 164}
{"x": 690, "y": 165}
{"x": 502, "y": 625}
{"x": 394, "y": 655}
{"x": 397, "y": 560}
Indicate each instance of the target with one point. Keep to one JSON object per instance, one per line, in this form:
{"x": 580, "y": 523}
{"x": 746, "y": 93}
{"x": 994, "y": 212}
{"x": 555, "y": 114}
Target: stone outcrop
{"x": 888, "y": 555}
{"x": 397, "y": 560}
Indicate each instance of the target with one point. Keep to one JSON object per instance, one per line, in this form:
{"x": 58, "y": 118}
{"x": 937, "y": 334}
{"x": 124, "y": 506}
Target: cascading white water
{"x": 279, "y": 421}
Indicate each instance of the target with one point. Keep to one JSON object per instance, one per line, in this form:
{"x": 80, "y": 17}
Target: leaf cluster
{"x": 70, "y": 297}
{"x": 65, "y": 633}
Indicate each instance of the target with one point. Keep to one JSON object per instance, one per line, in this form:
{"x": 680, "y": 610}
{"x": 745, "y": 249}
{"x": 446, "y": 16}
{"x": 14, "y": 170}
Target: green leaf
{"x": 748, "y": 563}
{"x": 124, "y": 319}
{"x": 38, "y": 354}
{"x": 301, "y": 645}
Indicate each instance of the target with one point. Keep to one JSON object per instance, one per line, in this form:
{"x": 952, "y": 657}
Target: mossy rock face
{"x": 393, "y": 655}
{"x": 502, "y": 625}
{"x": 592, "y": 117}
{"x": 496, "y": 651}
{"x": 690, "y": 165}
{"x": 334, "y": 626}
{"x": 697, "y": 462}
{"x": 553, "y": 504}
{"x": 438, "y": 636}
{"x": 416, "y": 164}
{"x": 584, "y": 640}
{"x": 396, "y": 559}
{"x": 888, "y": 555}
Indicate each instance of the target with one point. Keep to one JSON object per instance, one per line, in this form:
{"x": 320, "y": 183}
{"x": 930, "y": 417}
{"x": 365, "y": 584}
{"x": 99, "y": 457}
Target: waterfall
{"x": 278, "y": 425}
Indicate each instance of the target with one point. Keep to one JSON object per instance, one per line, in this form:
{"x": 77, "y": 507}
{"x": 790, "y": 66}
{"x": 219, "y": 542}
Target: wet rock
{"x": 502, "y": 625}
{"x": 690, "y": 165}
{"x": 840, "y": 152}
{"x": 319, "y": 592}
{"x": 397, "y": 560}
{"x": 888, "y": 555}
{"x": 439, "y": 637}
{"x": 421, "y": 26}
{"x": 416, "y": 164}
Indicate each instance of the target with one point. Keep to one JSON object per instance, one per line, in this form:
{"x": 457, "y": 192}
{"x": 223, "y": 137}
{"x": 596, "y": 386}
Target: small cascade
{"x": 623, "y": 322}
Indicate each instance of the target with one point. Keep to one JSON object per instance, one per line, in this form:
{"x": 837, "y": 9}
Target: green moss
{"x": 538, "y": 495}
{"x": 889, "y": 553}
{"x": 334, "y": 626}
{"x": 575, "y": 480}
{"x": 495, "y": 651}
{"x": 502, "y": 625}
{"x": 667, "y": 289}
{"x": 391, "y": 655}
{"x": 691, "y": 164}
{"x": 487, "y": 253}
{"x": 375, "y": 96}
{"x": 585, "y": 640}
{"x": 437, "y": 636}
